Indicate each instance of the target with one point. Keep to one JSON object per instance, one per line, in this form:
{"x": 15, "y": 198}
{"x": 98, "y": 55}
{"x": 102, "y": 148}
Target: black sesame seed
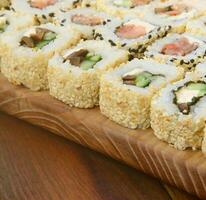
{"x": 44, "y": 16}
{"x": 181, "y": 62}
{"x": 51, "y": 14}
{"x": 104, "y": 23}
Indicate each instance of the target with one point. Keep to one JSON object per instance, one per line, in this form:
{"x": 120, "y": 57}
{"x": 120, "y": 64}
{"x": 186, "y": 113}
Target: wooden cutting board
{"x": 137, "y": 148}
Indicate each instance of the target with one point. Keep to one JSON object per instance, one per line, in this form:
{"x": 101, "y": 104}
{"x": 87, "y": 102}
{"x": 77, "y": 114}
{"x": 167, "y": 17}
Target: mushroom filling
{"x": 131, "y": 3}
{"x": 83, "y": 59}
{"x": 3, "y": 23}
{"x": 89, "y": 20}
{"x": 188, "y": 95}
{"x": 38, "y": 38}
{"x": 180, "y": 47}
{"x": 40, "y": 4}
{"x": 139, "y": 78}
{"x": 172, "y": 10}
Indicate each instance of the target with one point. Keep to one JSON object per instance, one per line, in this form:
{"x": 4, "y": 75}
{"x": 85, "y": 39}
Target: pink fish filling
{"x": 172, "y": 10}
{"x": 42, "y": 3}
{"x": 87, "y": 20}
{"x": 131, "y": 31}
{"x": 181, "y": 47}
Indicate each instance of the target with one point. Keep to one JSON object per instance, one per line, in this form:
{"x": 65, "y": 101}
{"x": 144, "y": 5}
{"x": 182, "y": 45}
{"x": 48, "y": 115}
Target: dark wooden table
{"x": 38, "y": 165}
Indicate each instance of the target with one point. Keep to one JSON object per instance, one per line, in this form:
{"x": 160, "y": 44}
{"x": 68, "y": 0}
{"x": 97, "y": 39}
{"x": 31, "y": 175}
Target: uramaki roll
{"x": 174, "y": 13}
{"x": 125, "y": 93}
{"x": 74, "y": 76}
{"x": 123, "y": 8}
{"x": 183, "y": 50}
{"x": 27, "y": 52}
{"x": 178, "y": 113}
{"x": 85, "y": 20}
{"x": 43, "y": 11}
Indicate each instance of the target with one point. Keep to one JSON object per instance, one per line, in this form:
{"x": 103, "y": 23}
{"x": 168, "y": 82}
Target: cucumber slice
{"x": 202, "y": 92}
{"x": 50, "y": 36}
{"x": 95, "y": 58}
{"x": 89, "y": 55}
{"x": 41, "y": 44}
{"x": 142, "y": 80}
{"x": 87, "y": 64}
{"x": 124, "y": 3}
{"x": 197, "y": 86}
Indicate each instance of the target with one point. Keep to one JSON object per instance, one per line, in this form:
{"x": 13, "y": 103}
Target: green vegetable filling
{"x": 89, "y": 61}
{"x": 48, "y": 37}
{"x": 141, "y": 80}
{"x": 189, "y": 95}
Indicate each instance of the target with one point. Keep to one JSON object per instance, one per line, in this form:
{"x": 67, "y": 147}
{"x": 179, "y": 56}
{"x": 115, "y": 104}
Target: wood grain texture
{"x": 34, "y": 164}
{"x": 137, "y": 148}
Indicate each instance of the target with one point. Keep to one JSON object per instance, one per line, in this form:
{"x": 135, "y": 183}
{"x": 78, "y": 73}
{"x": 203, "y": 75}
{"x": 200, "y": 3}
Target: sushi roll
{"x": 126, "y": 93}
{"x": 9, "y": 22}
{"x": 27, "y": 52}
{"x": 85, "y": 20}
{"x": 122, "y": 8}
{"x": 44, "y": 10}
{"x": 178, "y": 112}
{"x": 174, "y": 13}
{"x": 74, "y": 76}
{"x": 180, "y": 49}
{"x": 132, "y": 34}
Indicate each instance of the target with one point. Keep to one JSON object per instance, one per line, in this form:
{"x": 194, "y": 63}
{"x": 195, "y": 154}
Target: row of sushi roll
{"x": 142, "y": 61}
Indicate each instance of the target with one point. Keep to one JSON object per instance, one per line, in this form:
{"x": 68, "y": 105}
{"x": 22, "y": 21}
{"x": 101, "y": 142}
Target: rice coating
{"x": 170, "y": 125}
{"x": 23, "y": 65}
{"x": 79, "y": 88}
{"x": 129, "y": 106}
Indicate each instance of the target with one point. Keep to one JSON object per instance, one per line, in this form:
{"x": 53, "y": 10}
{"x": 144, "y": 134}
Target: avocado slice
{"x": 50, "y": 36}
{"x": 87, "y": 64}
{"x": 197, "y": 86}
{"x": 41, "y": 44}
{"x": 143, "y": 79}
{"x": 95, "y": 58}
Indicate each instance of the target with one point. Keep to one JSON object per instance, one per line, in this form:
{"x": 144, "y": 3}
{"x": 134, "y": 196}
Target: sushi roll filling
{"x": 188, "y": 95}
{"x": 38, "y": 38}
{"x": 172, "y": 10}
{"x": 139, "y": 78}
{"x": 89, "y": 20}
{"x": 131, "y": 3}
{"x": 83, "y": 59}
{"x": 41, "y": 4}
{"x": 133, "y": 29}
{"x": 180, "y": 47}
{"x": 3, "y": 23}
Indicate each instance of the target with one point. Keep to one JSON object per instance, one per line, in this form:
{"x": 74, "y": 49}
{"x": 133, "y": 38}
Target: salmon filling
{"x": 86, "y": 20}
{"x": 131, "y": 3}
{"x": 83, "y": 59}
{"x": 139, "y": 78}
{"x": 130, "y": 31}
{"x": 180, "y": 47}
{"x": 38, "y": 38}
{"x": 172, "y": 10}
{"x": 188, "y": 95}
{"x": 41, "y": 3}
